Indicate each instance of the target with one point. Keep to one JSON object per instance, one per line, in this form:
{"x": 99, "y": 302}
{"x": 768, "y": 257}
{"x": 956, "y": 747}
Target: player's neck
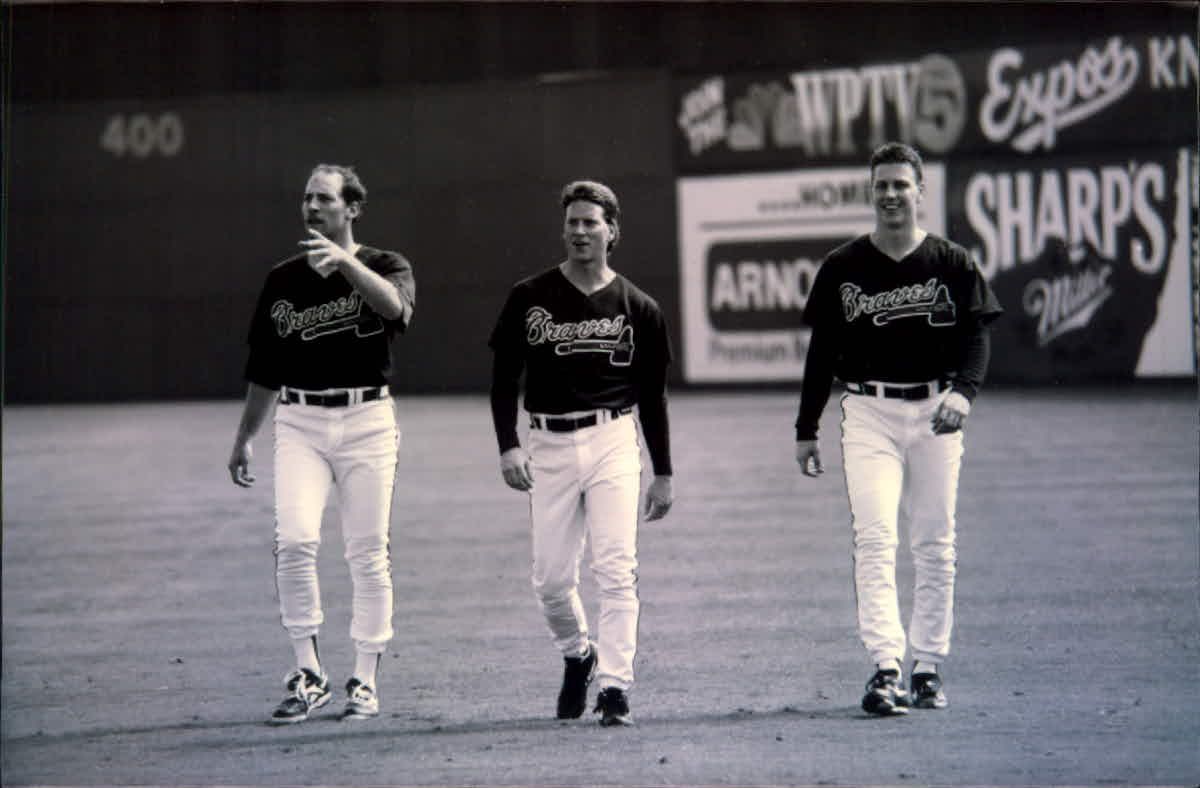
{"x": 898, "y": 242}
{"x": 346, "y": 241}
{"x": 588, "y": 277}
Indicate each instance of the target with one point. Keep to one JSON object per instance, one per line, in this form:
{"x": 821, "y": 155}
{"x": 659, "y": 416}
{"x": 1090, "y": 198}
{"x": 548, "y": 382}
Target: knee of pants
{"x": 369, "y": 554}
{"x": 615, "y": 580}
{"x": 553, "y": 590}
{"x": 875, "y": 538}
{"x": 935, "y": 553}
{"x": 295, "y": 555}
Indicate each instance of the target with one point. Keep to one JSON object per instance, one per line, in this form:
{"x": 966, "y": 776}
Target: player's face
{"x": 324, "y": 209}
{"x": 896, "y": 193}
{"x": 585, "y": 232}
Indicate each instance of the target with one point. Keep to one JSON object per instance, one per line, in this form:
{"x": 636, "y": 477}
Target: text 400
{"x": 141, "y": 135}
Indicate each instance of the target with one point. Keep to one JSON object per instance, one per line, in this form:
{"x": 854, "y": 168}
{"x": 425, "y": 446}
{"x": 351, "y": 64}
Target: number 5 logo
{"x": 141, "y": 136}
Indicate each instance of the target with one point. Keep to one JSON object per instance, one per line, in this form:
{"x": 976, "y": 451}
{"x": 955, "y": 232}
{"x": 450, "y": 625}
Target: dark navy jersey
{"x": 313, "y": 332}
{"x": 582, "y": 352}
{"x": 903, "y": 321}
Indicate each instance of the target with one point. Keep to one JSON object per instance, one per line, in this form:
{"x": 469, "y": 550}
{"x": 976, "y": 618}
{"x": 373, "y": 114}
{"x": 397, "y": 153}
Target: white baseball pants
{"x": 354, "y": 448}
{"x": 586, "y": 486}
{"x": 896, "y": 465}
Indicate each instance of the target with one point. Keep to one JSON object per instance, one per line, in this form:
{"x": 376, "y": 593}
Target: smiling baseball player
{"x": 592, "y": 346}
{"x": 320, "y": 345}
{"x": 900, "y": 316}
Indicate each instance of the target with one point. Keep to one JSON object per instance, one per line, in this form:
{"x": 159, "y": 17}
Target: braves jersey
{"x": 899, "y": 321}
{"x": 313, "y": 332}
{"x": 580, "y": 352}
{"x": 915, "y": 320}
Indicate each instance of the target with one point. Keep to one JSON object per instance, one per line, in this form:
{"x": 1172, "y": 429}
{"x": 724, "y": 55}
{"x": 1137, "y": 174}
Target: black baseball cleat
{"x": 927, "y": 691}
{"x": 886, "y": 695}
{"x": 307, "y": 692}
{"x": 613, "y": 707}
{"x": 577, "y": 675}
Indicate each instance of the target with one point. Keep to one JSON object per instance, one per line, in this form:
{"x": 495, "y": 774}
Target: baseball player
{"x": 900, "y": 316}
{"x": 319, "y": 345}
{"x": 592, "y": 346}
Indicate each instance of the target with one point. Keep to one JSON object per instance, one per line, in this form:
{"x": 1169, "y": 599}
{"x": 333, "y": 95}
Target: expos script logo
{"x": 342, "y": 314}
{"x": 930, "y": 300}
{"x": 1032, "y": 108}
{"x": 600, "y": 335}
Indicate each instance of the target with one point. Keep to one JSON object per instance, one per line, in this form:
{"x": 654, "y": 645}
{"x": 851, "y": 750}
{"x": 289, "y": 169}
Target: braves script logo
{"x": 930, "y": 300}
{"x": 584, "y": 336}
{"x": 331, "y": 317}
{"x": 1062, "y": 96}
{"x": 1066, "y": 302}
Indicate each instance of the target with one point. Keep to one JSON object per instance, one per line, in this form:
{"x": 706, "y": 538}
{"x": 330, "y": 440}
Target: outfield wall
{"x": 139, "y": 227}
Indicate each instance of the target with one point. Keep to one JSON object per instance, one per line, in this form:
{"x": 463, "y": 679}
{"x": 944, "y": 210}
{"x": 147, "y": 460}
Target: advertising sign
{"x": 1090, "y": 257}
{"x": 1011, "y": 100}
{"x": 750, "y": 246}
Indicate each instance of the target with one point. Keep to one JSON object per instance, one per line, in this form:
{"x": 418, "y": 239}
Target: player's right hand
{"x": 239, "y": 464}
{"x": 517, "y": 469}
{"x": 808, "y": 454}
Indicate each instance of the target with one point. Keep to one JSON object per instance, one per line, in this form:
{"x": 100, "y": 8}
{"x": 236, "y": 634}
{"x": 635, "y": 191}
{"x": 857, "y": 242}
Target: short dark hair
{"x": 598, "y": 194}
{"x": 353, "y": 190}
{"x": 897, "y": 153}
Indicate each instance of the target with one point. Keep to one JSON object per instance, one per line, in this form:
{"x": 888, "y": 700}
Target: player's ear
{"x": 354, "y": 210}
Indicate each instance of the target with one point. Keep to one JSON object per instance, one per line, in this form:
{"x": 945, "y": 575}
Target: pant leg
{"x": 556, "y": 513}
{"x": 303, "y": 479}
{"x": 611, "y": 509}
{"x": 933, "y": 470}
{"x": 365, "y": 470}
{"x": 874, "y": 470}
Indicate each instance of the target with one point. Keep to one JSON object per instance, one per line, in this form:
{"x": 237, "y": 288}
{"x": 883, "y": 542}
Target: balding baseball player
{"x": 900, "y": 316}
{"x": 319, "y": 345}
{"x": 593, "y": 347}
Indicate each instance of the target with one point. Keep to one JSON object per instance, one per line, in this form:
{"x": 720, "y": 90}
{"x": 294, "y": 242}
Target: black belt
{"x": 332, "y": 399}
{"x": 570, "y": 424}
{"x": 919, "y": 391}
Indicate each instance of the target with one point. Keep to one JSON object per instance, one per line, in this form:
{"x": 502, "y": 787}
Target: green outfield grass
{"x": 141, "y": 642}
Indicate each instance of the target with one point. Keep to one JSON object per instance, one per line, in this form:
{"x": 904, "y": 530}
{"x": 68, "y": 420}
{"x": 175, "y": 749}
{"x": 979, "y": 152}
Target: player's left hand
{"x": 659, "y": 498}
{"x": 951, "y": 414}
{"x": 324, "y": 255}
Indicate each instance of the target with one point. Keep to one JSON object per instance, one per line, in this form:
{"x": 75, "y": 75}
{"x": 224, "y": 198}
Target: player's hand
{"x": 951, "y": 414}
{"x": 808, "y": 454}
{"x": 517, "y": 469}
{"x": 239, "y": 464}
{"x": 324, "y": 255}
{"x": 659, "y": 497}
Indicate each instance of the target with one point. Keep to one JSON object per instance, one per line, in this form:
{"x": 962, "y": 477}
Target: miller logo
{"x": 930, "y": 300}
{"x": 602, "y": 335}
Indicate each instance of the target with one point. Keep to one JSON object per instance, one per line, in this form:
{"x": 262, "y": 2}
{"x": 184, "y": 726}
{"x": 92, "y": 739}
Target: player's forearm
{"x": 254, "y": 411}
{"x": 380, "y": 294}
{"x": 969, "y": 377}
{"x": 504, "y": 393}
{"x": 652, "y": 411}
{"x": 814, "y": 392}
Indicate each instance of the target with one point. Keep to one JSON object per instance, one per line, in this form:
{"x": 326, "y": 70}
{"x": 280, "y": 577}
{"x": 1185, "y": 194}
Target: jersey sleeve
{"x": 655, "y": 356}
{"x": 507, "y": 366}
{"x": 399, "y": 271}
{"x": 261, "y": 366}
{"x": 981, "y": 301}
{"x": 819, "y": 310}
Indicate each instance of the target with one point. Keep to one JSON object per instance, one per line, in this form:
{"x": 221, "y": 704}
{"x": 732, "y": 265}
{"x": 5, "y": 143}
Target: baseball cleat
{"x": 886, "y": 695}
{"x": 363, "y": 703}
{"x": 307, "y": 692}
{"x": 613, "y": 707}
{"x": 927, "y": 691}
{"x": 577, "y": 675}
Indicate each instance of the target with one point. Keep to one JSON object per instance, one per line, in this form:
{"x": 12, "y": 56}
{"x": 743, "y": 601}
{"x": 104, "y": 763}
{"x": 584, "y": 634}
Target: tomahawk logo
{"x": 930, "y": 300}
{"x": 603, "y": 335}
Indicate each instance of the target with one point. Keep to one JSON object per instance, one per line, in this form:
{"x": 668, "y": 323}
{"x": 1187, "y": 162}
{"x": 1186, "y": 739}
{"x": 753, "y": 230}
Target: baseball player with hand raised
{"x": 592, "y": 346}
{"x": 900, "y": 316}
{"x": 320, "y": 346}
